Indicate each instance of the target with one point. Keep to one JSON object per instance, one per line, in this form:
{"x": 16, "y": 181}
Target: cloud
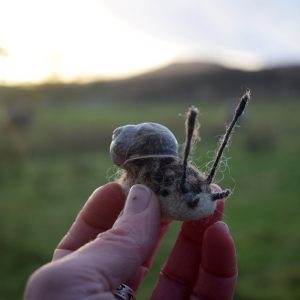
{"x": 270, "y": 30}
{"x": 3, "y": 52}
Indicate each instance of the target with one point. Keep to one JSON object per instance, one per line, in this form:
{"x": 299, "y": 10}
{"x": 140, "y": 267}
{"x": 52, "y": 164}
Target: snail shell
{"x": 131, "y": 142}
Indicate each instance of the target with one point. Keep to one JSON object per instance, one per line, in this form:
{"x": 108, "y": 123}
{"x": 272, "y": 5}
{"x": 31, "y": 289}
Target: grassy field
{"x": 49, "y": 170}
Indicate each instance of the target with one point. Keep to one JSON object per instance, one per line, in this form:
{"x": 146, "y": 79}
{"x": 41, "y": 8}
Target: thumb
{"x": 115, "y": 255}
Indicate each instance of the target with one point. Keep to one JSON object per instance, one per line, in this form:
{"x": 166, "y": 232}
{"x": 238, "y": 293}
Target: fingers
{"x": 116, "y": 254}
{"x": 218, "y": 270}
{"x": 98, "y": 214}
{"x": 181, "y": 270}
{"x": 135, "y": 281}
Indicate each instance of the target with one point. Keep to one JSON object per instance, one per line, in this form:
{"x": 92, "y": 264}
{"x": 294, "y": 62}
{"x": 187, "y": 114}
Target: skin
{"x": 109, "y": 244}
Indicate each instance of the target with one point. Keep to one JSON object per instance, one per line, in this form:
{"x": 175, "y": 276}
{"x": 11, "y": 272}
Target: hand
{"x": 110, "y": 244}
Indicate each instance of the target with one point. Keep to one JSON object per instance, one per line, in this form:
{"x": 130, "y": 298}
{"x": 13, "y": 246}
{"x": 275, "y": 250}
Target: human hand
{"x": 106, "y": 247}
{"x": 202, "y": 264}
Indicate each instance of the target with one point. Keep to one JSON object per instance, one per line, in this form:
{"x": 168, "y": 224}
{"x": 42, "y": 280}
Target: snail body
{"x": 163, "y": 176}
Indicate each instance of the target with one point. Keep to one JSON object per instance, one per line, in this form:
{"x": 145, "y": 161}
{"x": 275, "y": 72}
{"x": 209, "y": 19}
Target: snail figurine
{"x": 148, "y": 154}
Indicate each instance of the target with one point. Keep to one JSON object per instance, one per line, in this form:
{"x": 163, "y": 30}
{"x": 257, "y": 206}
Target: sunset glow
{"x": 73, "y": 40}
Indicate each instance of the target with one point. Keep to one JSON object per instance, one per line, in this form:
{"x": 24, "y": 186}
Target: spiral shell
{"x": 131, "y": 142}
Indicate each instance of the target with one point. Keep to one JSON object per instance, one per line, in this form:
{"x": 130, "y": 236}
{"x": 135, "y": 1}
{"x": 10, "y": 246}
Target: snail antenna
{"x": 191, "y": 124}
{"x": 238, "y": 112}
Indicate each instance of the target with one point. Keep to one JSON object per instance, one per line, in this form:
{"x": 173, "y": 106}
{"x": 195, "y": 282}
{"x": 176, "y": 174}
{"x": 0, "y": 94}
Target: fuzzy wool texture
{"x": 163, "y": 176}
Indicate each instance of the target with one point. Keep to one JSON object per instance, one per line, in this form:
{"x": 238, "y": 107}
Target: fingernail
{"x": 137, "y": 199}
{"x": 224, "y": 224}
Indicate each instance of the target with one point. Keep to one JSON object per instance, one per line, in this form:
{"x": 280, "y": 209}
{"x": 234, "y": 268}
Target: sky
{"x": 82, "y": 40}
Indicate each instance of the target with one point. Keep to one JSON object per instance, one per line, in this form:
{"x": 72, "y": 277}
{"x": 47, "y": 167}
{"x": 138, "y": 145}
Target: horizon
{"x": 155, "y": 70}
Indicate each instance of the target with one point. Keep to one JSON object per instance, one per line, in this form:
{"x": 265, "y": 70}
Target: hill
{"x": 212, "y": 82}
{"x": 189, "y": 82}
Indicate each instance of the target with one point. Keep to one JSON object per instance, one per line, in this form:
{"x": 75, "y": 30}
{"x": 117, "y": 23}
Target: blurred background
{"x": 72, "y": 71}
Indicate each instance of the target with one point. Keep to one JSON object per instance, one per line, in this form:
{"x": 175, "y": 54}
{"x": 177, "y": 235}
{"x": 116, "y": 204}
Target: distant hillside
{"x": 189, "y": 82}
{"x": 211, "y": 82}
{"x": 180, "y": 69}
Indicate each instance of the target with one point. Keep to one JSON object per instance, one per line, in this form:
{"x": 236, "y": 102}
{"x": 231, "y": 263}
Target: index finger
{"x": 180, "y": 273}
{"x": 218, "y": 270}
{"x": 98, "y": 215}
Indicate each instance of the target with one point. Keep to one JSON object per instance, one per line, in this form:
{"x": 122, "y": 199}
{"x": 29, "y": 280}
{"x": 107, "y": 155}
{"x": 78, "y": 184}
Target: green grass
{"x": 49, "y": 171}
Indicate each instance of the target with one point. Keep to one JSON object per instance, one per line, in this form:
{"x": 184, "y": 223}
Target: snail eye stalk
{"x": 238, "y": 112}
{"x": 190, "y": 125}
{"x": 221, "y": 195}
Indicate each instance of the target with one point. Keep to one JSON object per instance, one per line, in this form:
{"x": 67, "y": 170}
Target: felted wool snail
{"x": 148, "y": 154}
